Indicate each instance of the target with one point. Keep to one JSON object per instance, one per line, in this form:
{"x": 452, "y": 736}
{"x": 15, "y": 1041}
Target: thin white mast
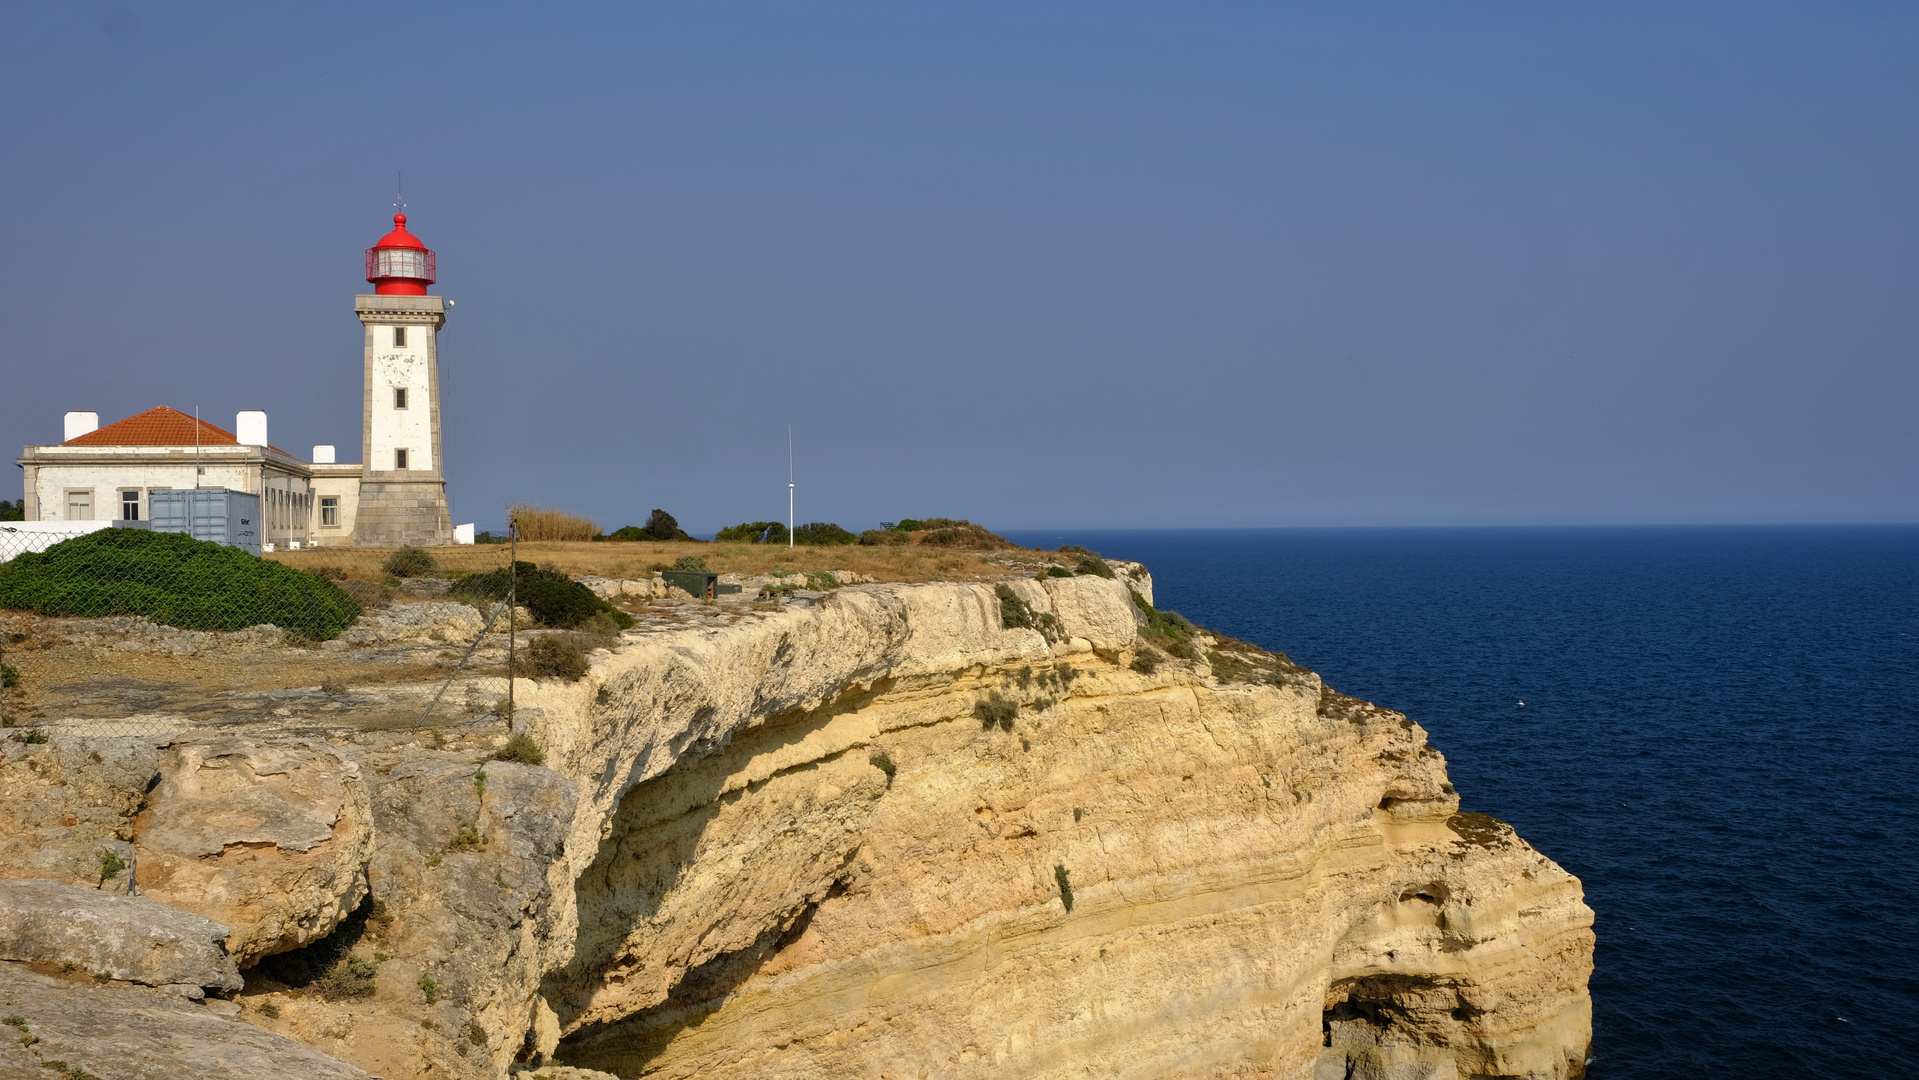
{"x": 789, "y": 487}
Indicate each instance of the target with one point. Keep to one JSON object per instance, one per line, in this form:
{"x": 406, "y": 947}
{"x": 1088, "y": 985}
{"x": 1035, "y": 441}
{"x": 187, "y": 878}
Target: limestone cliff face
{"x": 801, "y": 853}
{"x": 886, "y": 835}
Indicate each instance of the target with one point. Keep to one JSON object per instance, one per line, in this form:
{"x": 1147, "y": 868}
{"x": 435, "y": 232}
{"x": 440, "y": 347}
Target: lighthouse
{"x": 402, "y": 496}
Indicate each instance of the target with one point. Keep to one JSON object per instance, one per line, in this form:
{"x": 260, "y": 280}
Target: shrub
{"x": 995, "y": 709}
{"x": 176, "y": 580}
{"x": 884, "y": 537}
{"x": 1065, "y": 886}
{"x": 539, "y": 523}
{"x": 475, "y": 1034}
{"x": 9, "y": 676}
{"x": 523, "y": 749}
{"x": 906, "y": 525}
{"x": 1167, "y": 629}
{"x": 13, "y": 511}
{"x": 629, "y": 533}
{"x": 430, "y": 988}
{"x": 694, "y": 563}
{"x": 1088, "y": 562}
{"x": 553, "y": 656}
{"x": 553, "y": 598}
{"x": 753, "y": 532}
{"x": 110, "y": 864}
{"x": 270, "y": 1010}
{"x": 823, "y": 534}
{"x": 410, "y": 561}
{"x": 661, "y": 526}
{"x": 1145, "y": 663}
{"x": 1017, "y": 613}
{"x": 1054, "y": 571}
{"x": 945, "y": 532}
{"x": 349, "y": 977}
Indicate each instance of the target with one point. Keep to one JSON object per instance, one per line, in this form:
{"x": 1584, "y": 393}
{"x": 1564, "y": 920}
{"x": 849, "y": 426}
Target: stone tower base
{"x": 393, "y": 513}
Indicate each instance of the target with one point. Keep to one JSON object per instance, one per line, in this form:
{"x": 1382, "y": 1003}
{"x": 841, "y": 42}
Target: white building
{"x": 396, "y": 495}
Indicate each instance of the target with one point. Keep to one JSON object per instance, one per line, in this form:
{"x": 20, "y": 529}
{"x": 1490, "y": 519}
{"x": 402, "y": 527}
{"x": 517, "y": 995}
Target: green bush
{"x": 906, "y": 526}
{"x": 13, "y": 511}
{"x": 176, "y": 580}
{"x": 1065, "y": 886}
{"x": 1167, "y": 629}
{"x": 522, "y": 748}
{"x": 1017, "y": 613}
{"x": 553, "y": 598}
{"x": 661, "y": 525}
{"x": 430, "y": 988}
{"x": 1088, "y": 562}
{"x": 693, "y": 563}
{"x": 410, "y": 561}
{"x": 553, "y": 656}
{"x": 9, "y": 676}
{"x": 994, "y": 709}
{"x": 753, "y": 532}
{"x": 1054, "y": 571}
{"x": 629, "y": 532}
{"x": 945, "y": 532}
{"x": 1145, "y": 663}
{"x": 110, "y": 864}
{"x": 884, "y": 537}
{"x": 350, "y": 977}
{"x": 823, "y": 534}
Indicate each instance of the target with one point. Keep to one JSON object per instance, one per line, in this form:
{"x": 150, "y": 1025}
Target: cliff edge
{"x": 939, "y": 830}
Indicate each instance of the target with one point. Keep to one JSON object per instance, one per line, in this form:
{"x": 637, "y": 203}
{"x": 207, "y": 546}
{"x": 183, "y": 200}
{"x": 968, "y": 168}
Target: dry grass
{"x": 539, "y": 523}
{"x": 613, "y": 558}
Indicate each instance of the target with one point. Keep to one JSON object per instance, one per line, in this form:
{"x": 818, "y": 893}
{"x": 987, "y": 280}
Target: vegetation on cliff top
{"x": 175, "y": 580}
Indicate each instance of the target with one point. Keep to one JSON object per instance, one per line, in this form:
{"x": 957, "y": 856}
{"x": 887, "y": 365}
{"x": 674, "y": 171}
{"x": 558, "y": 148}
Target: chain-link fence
{"x": 111, "y": 631}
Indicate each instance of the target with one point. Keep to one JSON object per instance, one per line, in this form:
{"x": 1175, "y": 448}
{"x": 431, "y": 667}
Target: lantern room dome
{"x": 400, "y": 265}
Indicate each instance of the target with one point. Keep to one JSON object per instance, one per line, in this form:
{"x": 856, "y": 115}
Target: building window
{"x": 399, "y": 459}
{"x": 399, "y": 397}
{"x": 79, "y": 506}
{"x": 329, "y": 512}
{"x": 130, "y": 505}
{"x": 399, "y": 337}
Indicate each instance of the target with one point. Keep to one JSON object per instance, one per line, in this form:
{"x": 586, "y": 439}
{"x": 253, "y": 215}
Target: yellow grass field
{"x": 613, "y": 558}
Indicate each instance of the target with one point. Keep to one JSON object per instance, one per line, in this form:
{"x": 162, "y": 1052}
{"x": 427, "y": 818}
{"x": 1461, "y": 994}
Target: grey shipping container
{"x": 221, "y": 515}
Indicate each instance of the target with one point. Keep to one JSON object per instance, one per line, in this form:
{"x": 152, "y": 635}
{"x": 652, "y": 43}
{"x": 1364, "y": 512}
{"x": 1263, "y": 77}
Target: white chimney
{"x": 250, "y": 427}
{"x": 80, "y": 423}
{"x": 323, "y": 455}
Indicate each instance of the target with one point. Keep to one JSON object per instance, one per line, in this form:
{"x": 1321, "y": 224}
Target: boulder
{"x": 130, "y": 938}
{"x": 123, "y": 1033}
{"x": 271, "y": 840}
{"x": 411, "y": 624}
{"x": 1095, "y": 608}
{"x": 65, "y": 801}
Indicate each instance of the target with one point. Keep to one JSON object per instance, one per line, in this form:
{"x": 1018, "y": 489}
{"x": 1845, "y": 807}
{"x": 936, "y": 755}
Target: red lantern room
{"x": 399, "y": 265}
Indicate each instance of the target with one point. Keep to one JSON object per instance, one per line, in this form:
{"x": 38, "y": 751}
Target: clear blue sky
{"x": 1039, "y": 265}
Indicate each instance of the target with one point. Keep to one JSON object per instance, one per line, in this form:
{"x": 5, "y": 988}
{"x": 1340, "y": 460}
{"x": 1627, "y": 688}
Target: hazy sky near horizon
{"x": 1038, "y": 265}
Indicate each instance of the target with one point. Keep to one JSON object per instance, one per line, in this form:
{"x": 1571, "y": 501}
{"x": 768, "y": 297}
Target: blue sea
{"x": 1720, "y": 737}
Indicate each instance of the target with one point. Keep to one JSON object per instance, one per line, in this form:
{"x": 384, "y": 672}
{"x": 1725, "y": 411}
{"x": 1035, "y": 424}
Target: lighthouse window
{"x": 399, "y": 337}
{"x": 399, "y": 397}
{"x": 399, "y": 459}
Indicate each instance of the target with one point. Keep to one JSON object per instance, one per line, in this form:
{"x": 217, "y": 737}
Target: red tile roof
{"x": 156, "y": 427}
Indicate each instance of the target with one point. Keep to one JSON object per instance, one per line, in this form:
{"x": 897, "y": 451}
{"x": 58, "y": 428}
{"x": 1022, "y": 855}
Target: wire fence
{"x": 133, "y": 632}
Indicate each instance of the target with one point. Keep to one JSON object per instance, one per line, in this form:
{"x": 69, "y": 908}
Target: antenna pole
{"x": 789, "y": 487}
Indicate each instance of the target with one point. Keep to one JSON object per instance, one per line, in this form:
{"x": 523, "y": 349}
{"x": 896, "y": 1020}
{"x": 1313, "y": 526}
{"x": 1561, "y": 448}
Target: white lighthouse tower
{"x": 402, "y": 488}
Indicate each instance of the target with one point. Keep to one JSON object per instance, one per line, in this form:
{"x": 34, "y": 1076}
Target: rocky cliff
{"x": 881, "y": 833}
